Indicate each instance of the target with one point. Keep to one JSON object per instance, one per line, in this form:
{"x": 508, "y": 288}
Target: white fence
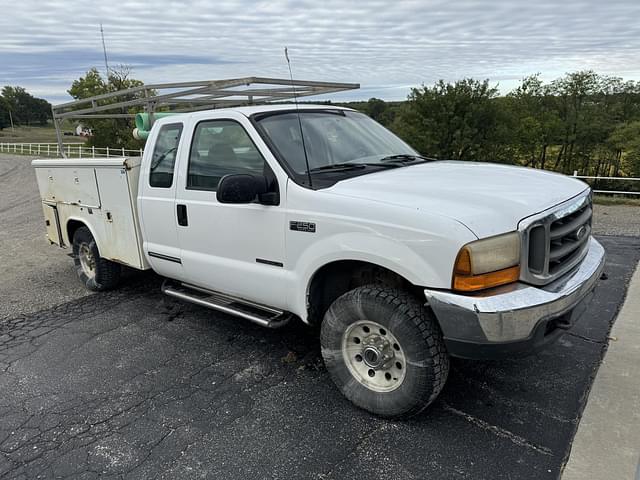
{"x": 618, "y": 192}
{"x": 72, "y": 150}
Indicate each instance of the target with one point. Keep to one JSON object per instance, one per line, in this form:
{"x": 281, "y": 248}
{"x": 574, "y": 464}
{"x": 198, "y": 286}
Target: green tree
{"x": 574, "y": 93}
{"x": 455, "y": 121}
{"x": 381, "y": 111}
{"x": 25, "y": 108}
{"x": 625, "y": 141}
{"x": 88, "y": 86}
{"x": 535, "y": 121}
{"x": 116, "y": 132}
{"x": 4, "y": 114}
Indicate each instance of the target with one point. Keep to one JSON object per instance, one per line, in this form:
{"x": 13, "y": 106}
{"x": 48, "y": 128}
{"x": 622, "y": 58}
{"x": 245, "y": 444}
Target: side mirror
{"x": 240, "y": 188}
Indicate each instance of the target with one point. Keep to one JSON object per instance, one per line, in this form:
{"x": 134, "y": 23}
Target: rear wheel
{"x": 95, "y": 272}
{"x": 384, "y": 350}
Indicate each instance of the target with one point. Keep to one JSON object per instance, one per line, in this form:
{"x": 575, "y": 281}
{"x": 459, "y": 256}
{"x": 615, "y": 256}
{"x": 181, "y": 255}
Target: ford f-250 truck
{"x": 321, "y": 214}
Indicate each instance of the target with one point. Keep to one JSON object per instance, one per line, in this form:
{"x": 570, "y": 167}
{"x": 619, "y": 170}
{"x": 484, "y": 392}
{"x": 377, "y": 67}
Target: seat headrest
{"x": 222, "y": 153}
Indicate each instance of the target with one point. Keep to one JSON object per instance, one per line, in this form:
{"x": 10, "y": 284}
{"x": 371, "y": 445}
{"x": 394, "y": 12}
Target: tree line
{"x": 20, "y": 107}
{"x": 581, "y": 122}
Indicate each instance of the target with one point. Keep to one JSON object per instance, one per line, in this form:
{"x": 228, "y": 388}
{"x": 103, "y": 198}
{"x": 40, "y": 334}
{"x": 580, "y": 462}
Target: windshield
{"x": 331, "y": 137}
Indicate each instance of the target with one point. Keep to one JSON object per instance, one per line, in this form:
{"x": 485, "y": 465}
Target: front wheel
{"x": 95, "y": 272}
{"x": 384, "y": 351}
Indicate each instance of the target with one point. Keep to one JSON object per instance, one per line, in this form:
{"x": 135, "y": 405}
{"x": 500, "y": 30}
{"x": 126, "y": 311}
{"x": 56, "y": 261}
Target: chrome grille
{"x": 555, "y": 241}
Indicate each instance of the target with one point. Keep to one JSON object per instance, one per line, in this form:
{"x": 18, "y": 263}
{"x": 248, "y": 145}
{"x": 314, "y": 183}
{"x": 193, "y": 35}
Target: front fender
{"x": 421, "y": 261}
{"x": 419, "y": 245}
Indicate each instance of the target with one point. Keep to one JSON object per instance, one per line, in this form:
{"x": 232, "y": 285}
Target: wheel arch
{"x": 335, "y": 278}
{"x": 72, "y": 226}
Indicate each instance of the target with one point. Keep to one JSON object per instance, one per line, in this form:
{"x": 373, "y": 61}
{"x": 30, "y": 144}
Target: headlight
{"x": 487, "y": 263}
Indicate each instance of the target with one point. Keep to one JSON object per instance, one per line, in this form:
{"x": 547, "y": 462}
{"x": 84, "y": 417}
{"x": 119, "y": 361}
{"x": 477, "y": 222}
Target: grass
{"x": 45, "y": 134}
{"x": 615, "y": 200}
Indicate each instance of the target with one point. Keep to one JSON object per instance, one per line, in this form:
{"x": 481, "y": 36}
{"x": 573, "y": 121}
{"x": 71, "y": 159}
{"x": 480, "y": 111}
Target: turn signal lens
{"x": 472, "y": 283}
{"x": 487, "y": 263}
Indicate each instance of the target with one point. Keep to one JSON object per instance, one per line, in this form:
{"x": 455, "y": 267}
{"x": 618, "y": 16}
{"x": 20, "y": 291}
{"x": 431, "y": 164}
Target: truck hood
{"x": 488, "y": 198}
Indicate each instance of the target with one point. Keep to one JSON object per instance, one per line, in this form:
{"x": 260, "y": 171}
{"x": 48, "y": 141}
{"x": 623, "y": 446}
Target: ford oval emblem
{"x": 580, "y": 232}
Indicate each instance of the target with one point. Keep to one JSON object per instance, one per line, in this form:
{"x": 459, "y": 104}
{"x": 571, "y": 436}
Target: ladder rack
{"x": 191, "y": 96}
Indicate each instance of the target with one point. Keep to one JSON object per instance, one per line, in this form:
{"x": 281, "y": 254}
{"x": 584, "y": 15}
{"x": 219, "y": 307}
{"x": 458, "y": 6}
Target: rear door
{"x": 156, "y": 200}
{"x": 236, "y": 249}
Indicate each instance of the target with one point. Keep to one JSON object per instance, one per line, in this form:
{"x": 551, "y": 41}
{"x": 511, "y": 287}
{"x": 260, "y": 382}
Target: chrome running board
{"x": 254, "y": 312}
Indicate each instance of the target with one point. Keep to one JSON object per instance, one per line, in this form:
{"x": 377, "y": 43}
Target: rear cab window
{"x": 164, "y": 156}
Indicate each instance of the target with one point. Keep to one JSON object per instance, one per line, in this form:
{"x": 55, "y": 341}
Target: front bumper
{"x": 516, "y": 319}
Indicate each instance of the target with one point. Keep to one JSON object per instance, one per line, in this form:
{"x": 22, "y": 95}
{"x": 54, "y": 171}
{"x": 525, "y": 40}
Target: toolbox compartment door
{"x": 52, "y": 222}
{"x": 74, "y": 185}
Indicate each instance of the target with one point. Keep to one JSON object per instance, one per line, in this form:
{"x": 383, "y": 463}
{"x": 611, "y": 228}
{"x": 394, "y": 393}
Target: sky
{"x": 386, "y": 46}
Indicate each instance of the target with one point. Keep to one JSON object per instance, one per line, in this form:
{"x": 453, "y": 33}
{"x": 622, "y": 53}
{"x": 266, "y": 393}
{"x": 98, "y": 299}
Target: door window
{"x": 219, "y": 148}
{"x": 164, "y": 156}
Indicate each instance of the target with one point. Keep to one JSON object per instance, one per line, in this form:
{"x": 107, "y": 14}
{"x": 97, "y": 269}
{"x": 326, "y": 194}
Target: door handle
{"x": 182, "y": 215}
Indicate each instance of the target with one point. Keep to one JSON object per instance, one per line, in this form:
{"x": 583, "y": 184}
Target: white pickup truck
{"x": 401, "y": 260}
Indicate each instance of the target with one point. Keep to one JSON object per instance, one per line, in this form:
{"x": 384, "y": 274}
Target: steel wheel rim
{"x": 87, "y": 260}
{"x": 374, "y": 356}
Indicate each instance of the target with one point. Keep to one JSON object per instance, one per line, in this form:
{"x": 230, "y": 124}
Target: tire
{"x": 403, "y": 348}
{"x": 95, "y": 272}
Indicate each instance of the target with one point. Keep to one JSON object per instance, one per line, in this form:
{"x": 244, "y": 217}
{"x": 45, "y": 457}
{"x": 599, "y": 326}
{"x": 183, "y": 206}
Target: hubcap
{"x": 374, "y": 356}
{"x": 87, "y": 260}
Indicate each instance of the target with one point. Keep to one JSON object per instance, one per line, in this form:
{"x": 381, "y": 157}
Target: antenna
{"x": 295, "y": 100}
{"x": 104, "y": 50}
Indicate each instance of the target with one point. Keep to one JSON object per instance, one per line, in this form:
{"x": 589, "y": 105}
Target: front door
{"x": 236, "y": 249}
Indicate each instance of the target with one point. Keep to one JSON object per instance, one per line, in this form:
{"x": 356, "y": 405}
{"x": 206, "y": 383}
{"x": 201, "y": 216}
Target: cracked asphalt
{"x": 129, "y": 384}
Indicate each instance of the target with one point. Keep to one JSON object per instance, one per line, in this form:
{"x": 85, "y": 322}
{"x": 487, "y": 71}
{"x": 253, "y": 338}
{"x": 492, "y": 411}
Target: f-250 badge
{"x": 302, "y": 227}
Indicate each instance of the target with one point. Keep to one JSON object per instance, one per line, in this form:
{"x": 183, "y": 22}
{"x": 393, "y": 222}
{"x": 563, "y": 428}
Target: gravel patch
{"x": 35, "y": 275}
{"x": 621, "y": 220}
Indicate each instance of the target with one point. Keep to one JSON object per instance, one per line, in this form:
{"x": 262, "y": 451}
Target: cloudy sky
{"x": 387, "y": 46}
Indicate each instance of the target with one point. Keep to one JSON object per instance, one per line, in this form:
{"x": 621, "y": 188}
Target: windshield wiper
{"x": 406, "y": 158}
{"x": 350, "y": 166}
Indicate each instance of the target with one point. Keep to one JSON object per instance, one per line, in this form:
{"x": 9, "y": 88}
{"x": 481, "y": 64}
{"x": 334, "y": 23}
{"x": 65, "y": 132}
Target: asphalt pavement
{"x": 129, "y": 384}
